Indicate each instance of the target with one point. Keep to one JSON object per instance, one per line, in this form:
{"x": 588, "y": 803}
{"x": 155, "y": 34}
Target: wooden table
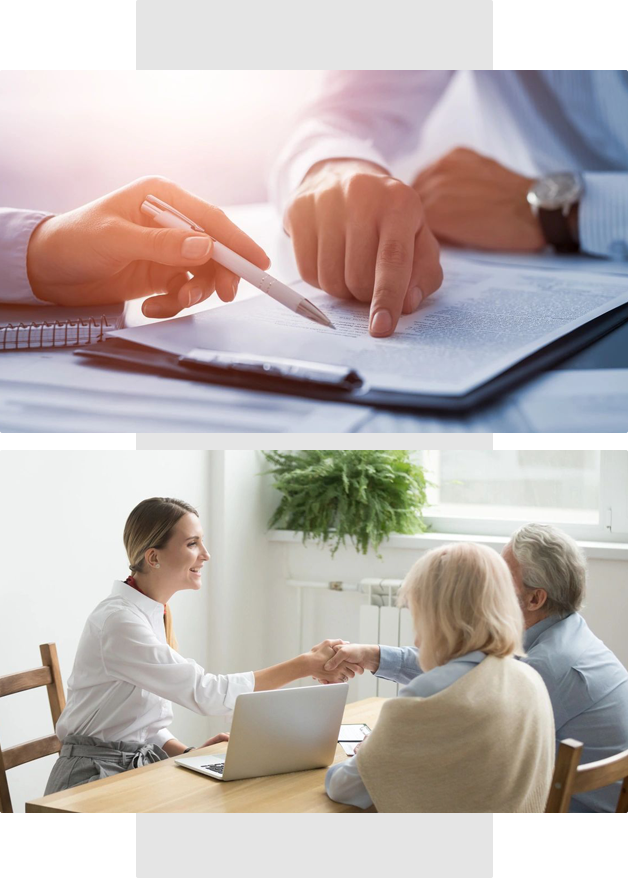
{"x": 164, "y": 786}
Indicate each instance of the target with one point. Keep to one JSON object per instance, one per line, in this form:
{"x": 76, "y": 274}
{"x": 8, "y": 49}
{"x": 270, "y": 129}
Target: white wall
{"x": 606, "y": 604}
{"x": 241, "y": 503}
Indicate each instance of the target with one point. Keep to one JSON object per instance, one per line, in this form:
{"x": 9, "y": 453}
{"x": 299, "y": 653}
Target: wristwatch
{"x": 552, "y": 199}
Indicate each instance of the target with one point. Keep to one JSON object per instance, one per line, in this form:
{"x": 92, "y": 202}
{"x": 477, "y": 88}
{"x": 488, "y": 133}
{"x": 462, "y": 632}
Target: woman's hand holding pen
{"x": 107, "y": 251}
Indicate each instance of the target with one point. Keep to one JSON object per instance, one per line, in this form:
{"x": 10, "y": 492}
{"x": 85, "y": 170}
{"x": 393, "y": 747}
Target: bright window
{"x": 492, "y": 492}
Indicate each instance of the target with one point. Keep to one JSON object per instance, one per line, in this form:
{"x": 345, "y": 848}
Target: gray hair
{"x": 551, "y": 560}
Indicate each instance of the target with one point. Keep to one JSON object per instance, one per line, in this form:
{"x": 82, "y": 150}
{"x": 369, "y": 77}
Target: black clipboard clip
{"x": 298, "y": 372}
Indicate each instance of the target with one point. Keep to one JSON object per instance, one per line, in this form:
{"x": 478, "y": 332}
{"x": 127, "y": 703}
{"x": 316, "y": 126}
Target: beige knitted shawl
{"x": 485, "y": 743}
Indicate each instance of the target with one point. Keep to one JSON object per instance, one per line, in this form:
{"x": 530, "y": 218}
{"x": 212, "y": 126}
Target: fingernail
{"x": 197, "y": 247}
{"x": 195, "y": 295}
{"x": 415, "y": 297}
{"x": 234, "y": 288}
{"x": 381, "y": 322}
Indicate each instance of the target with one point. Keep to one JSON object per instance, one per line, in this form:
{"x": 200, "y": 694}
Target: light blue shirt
{"x": 587, "y": 685}
{"x": 588, "y": 688}
{"x": 343, "y": 782}
{"x": 16, "y": 228}
{"x": 561, "y": 120}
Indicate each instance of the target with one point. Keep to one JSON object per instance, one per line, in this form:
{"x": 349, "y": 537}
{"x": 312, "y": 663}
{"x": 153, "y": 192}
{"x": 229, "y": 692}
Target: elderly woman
{"x": 475, "y": 730}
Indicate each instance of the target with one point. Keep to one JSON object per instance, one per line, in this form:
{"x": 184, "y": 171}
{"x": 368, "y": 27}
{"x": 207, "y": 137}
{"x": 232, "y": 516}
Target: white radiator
{"x": 381, "y": 622}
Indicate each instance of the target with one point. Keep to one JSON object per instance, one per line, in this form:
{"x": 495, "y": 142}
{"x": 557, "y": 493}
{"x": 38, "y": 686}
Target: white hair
{"x": 551, "y": 560}
{"x": 461, "y": 598}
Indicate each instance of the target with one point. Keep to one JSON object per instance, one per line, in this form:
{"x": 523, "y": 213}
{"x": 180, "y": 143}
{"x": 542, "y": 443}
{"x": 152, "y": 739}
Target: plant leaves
{"x": 363, "y": 495}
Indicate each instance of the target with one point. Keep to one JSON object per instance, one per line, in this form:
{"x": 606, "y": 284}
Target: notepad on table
{"x": 35, "y": 328}
{"x": 352, "y": 734}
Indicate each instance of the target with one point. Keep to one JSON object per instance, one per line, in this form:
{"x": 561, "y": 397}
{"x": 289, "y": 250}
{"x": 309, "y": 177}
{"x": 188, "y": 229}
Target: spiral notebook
{"x": 33, "y": 329}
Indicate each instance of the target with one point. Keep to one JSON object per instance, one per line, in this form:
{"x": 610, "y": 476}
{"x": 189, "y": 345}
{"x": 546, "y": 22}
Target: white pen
{"x": 169, "y": 217}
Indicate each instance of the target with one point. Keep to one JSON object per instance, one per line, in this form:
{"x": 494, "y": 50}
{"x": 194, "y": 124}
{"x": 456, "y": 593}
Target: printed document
{"x": 484, "y": 319}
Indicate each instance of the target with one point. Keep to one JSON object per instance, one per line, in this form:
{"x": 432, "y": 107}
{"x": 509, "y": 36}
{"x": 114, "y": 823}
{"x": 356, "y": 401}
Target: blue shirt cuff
{"x": 603, "y": 214}
{"x": 389, "y": 662}
{"x": 16, "y": 228}
{"x": 398, "y": 663}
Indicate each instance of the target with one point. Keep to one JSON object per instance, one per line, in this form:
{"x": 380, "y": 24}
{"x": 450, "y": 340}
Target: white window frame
{"x": 613, "y": 509}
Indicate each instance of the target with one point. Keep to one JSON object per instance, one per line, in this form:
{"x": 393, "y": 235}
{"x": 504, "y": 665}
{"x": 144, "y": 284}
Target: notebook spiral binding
{"x": 52, "y": 334}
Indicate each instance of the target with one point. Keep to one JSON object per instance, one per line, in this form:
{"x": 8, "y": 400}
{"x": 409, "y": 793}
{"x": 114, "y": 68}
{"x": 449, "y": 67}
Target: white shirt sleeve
{"x": 16, "y": 228}
{"x": 373, "y": 115}
{"x": 160, "y": 738}
{"x": 344, "y": 784}
{"x": 132, "y": 652}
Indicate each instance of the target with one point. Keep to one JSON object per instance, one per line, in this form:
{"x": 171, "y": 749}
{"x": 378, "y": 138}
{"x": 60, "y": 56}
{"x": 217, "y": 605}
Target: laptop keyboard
{"x": 218, "y": 767}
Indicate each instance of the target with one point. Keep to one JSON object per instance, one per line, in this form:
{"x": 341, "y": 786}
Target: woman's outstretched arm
{"x": 309, "y": 664}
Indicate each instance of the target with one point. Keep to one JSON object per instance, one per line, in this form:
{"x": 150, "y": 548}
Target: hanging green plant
{"x": 363, "y": 495}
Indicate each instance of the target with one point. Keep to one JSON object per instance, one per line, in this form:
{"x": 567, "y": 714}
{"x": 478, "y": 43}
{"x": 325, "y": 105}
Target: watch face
{"x": 555, "y": 191}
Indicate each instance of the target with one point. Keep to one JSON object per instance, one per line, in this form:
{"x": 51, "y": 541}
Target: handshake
{"x": 336, "y": 661}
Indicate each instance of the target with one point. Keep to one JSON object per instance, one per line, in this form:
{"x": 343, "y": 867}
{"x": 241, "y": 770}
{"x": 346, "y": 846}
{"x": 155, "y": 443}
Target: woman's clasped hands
{"x": 318, "y": 657}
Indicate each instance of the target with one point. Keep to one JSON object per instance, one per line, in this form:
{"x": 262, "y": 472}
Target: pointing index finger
{"x": 393, "y": 269}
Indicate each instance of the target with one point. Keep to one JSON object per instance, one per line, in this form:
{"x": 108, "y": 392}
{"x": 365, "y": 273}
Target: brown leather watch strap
{"x": 556, "y": 231}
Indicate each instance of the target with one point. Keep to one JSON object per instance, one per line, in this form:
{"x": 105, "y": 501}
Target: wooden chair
{"x": 50, "y": 676}
{"x": 571, "y": 778}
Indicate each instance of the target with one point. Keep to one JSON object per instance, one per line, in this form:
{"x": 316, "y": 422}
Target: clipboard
{"x": 333, "y": 383}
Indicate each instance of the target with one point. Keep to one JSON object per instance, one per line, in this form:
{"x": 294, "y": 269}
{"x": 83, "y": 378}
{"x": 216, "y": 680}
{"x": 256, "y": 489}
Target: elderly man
{"x": 587, "y": 684}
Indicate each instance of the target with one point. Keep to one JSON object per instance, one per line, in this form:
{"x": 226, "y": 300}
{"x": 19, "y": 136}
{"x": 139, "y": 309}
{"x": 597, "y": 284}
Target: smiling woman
{"x": 148, "y": 528}
{"x": 127, "y": 669}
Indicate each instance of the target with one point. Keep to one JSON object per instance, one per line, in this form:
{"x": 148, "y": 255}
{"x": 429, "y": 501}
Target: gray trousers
{"x": 83, "y": 759}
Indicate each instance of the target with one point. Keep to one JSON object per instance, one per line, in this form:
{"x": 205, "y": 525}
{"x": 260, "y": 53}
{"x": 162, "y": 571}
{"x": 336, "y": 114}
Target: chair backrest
{"x": 570, "y": 778}
{"x": 48, "y": 675}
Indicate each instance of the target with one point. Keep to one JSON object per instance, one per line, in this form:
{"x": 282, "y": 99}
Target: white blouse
{"x": 125, "y": 675}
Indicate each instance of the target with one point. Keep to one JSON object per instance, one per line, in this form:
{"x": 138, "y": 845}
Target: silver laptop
{"x": 276, "y": 732}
